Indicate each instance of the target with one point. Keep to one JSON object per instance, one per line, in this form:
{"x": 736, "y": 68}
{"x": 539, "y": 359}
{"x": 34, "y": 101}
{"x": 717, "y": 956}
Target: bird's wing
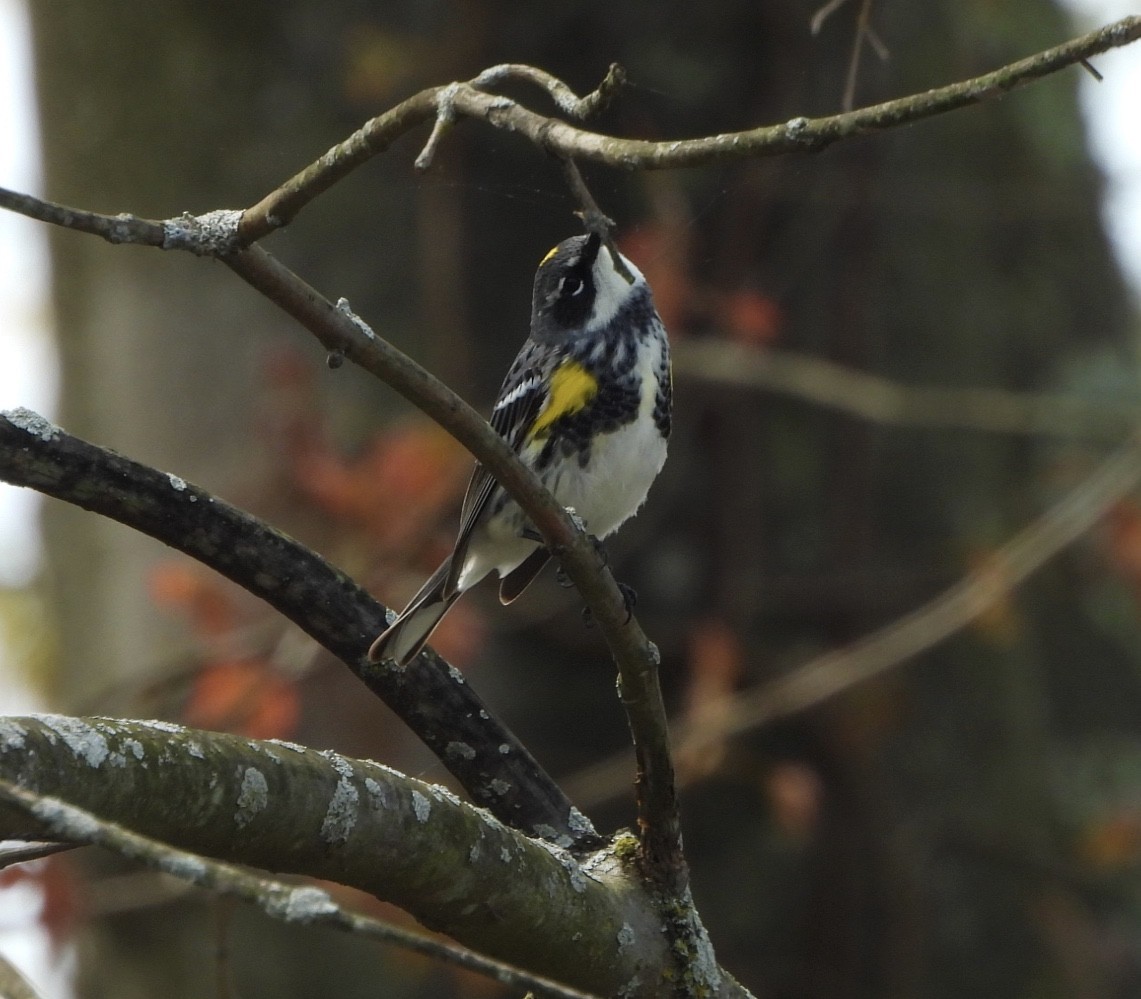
{"x": 521, "y": 398}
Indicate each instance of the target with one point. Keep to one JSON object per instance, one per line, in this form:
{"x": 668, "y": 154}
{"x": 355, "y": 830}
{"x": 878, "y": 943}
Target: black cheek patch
{"x": 571, "y": 311}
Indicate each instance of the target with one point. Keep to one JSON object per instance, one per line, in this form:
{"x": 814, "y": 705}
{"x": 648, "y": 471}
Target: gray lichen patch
{"x": 421, "y": 806}
{"x": 252, "y": 798}
{"x": 341, "y": 816}
{"x": 12, "y": 735}
{"x": 32, "y": 423}
{"x": 303, "y": 905}
{"x": 87, "y": 743}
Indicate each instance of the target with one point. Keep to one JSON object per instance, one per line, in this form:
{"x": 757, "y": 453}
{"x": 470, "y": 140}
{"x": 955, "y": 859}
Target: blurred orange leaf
{"x": 246, "y": 696}
{"x": 750, "y": 317}
{"x": 795, "y": 792}
{"x": 202, "y": 597}
{"x": 1113, "y": 842}
{"x": 398, "y": 486}
{"x": 1124, "y": 540}
{"x": 716, "y": 665}
{"x": 660, "y": 251}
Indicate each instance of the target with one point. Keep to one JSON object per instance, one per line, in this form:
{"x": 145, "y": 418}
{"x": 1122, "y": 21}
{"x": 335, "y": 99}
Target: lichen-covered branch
{"x": 286, "y": 808}
{"x": 302, "y": 905}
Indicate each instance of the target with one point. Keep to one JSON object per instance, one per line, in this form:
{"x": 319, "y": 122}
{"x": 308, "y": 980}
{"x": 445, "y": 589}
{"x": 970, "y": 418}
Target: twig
{"x": 899, "y": 642}
{"x": 281, "y": 206}
{"x": 298, "y": 904}
{"x": 213, "y": 234}
{"x": 823, "y": 13}
{"x": 880, "y": 400}
{"x": 593, "y": 218}
{"x": 445, "y": 118}
{"x": 861, "y": 35}
{"x": 566, "y": 100}
{"x": 954, "y": 609}
{"x": 431, "y": 697}
{"x": 124, "y": 228}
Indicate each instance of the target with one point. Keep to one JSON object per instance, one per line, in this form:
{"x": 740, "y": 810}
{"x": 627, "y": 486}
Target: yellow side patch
{"x": 572, "y": 387}
{"x": 550, "y": 253}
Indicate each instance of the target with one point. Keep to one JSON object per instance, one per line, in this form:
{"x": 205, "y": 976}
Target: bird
{"x": 587, "y": 404}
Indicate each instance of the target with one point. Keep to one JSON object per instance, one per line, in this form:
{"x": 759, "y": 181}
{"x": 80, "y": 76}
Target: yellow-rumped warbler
{"x": 586, "y": 404}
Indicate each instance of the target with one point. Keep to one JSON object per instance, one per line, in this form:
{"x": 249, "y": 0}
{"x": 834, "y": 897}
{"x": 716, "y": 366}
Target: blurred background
{"x": 968, "y": 824}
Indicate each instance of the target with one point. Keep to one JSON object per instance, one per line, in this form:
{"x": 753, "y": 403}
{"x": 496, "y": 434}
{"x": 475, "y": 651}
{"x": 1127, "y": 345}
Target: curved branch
{"x": 797, "y": 135}
{"x": 567, "y": 101}
{"x": 283, "y": 807}
{"x": 303, "y": 905}
{"x": 431, "y": 697}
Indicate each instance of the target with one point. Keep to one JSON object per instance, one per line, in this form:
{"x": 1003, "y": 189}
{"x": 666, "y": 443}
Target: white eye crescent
{"x": 570, "y": 285}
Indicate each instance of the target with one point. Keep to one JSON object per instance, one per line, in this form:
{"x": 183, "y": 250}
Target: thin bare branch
{"x": 880, "y": 400}
{"x": 280, "y": 207}
{"x": 1089, "y": 68}
{"x": 858, "y": 38}
{"x": 445, "y": 119}
{"x": 899, "y": 642}
{"x": 823, "y": 13}
{"x": 798, "y": 134}
{"x": 1009, "y": 567}
{"x": 304, "y": 905}
{"x": 594, "y": 219}
{"x": 123, "y": 228}
{"x": 565, "y": 99}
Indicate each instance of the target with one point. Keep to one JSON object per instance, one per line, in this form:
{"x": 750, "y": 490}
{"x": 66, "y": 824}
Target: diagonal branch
{"x": 634, "y": 654}
{"x": 1011, "y": 565}
{"x": 431, "y": 697}
{"x": 899, "y": 642}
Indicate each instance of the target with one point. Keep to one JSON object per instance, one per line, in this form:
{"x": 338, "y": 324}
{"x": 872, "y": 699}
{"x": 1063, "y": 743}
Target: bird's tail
{"x": 408, "y": 634}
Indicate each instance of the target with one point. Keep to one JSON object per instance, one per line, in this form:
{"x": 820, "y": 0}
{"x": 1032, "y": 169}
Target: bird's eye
{"x": 570, "y": 286}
